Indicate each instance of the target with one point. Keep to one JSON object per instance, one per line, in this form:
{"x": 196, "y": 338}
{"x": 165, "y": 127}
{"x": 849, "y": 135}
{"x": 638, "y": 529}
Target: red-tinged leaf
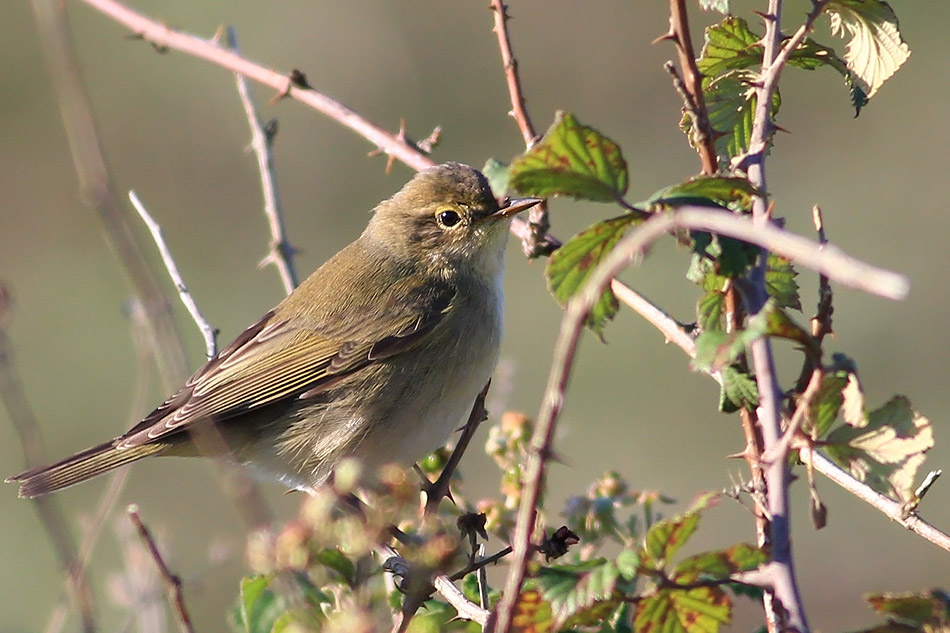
{"x": 572, "y": 264}
{"x": 698, "y": 610}
{"x": 532, "y": 614}
{"x": 571, "y": 159}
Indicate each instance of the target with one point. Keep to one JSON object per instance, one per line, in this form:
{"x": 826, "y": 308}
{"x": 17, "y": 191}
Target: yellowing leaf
{"x": 876, "y": 49}
{"x": 888, "y": 451}
{"x": 698, "y": 610}
{"x": 532, "y": 614}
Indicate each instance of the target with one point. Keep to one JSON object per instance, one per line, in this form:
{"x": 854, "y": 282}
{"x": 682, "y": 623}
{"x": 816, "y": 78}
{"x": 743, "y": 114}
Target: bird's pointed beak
{"x": 515, "y": 206}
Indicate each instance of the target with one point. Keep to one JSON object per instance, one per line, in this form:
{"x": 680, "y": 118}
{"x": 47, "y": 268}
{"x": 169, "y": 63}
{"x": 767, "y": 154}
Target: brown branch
{"x": 533, "y": 243}
{"x": 281, "y": 252}
{"x": 173, "y": 584}
{"x": 439, "y": 489}
{"x": 691, "y": 87}
{"x": 48, "y": 509}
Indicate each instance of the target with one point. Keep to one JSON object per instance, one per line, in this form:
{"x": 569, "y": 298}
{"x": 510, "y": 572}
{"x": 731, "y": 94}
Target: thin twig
{"x": 891, "y": 508}
{"x": 533, "y": 243}
{"x": 439, "y": 489}
{"x": 208, "y": 333}
{"x": 691, "y": 87}
{"x": 466, "y": 609}
{"x": 50, "y": 512}
{"x": 281, "y": 252}
{"x": 172, "y": 582}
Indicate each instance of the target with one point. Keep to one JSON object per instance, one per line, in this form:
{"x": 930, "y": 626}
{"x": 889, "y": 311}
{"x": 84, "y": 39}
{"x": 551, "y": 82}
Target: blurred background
{"x": 174, "y": 130}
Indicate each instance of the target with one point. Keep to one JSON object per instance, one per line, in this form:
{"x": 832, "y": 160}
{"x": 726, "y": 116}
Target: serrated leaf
{"x": 717, "y": 349}
{"x": 824, "y": 406}
{"x": 498, "y": 177}
{"x": 628, "y": 562}
{"x": 811, "y": 55}
{"x": 779, "y": 325}
{"x": 729, "y": 45}
{"x": 709, "y": 310}
{"x": 738, "y": 390}
{"x": 666, "y": 537}
{"x": 571, "y": 265}
{"x": 731, "y": 102}
{"x": 719, "y": 565}
{"x": 928, "y": 611}
{"x": 572, "y": 160}
{"x": 780, "y": 282}
{"x": 886, "y": 453}
{"x": 532, "y": 614}
{"x": 698, "y": 610}
{"x": 876, "y": 49}
{"x": 717, "y": 191}
{"x": 580, "y": 594}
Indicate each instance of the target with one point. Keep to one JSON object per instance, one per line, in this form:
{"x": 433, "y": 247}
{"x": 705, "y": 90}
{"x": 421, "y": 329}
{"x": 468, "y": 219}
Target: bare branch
{"x": 208, "y": 333}
{"x": 173, "y": 584}
{"x": 281, "y": 252}
{"x": 49, "y": 510}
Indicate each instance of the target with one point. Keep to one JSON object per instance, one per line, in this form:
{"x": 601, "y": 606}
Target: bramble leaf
{"x": 729, "y": 45}
{"x": 572, "y": 264}
{"x": 666, "y": 537}
{"x": 580, "y": 594}
{"x": 722, "y": 6}
{"x": 572, "y": 160}
{"x": 876, "y": 49}
{"x": 780, "y": 282}
{"x": 887, "y": 452}
{"x": 720, "y": 191}
{"x": 926, "y": 612}
{"x": 721, "y": 564}
{"x": 697, "y": 610}
{"x": 532, "y": 614}
{"x": 738, "y": 391}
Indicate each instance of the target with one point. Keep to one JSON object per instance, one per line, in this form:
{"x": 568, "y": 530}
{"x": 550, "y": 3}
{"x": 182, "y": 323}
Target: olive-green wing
{"x": 276, "y": 359}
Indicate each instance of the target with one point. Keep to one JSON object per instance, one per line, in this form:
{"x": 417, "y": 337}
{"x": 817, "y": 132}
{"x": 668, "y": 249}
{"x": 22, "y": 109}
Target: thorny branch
{"x": 173, "y": 584}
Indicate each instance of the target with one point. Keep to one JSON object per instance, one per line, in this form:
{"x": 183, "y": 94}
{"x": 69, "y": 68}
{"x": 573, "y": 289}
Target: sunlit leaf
{"x": 722, "y": 6}
{"x": 888, "y": 451}
{"x": 811, "y": 55}
{"x": 572, "y": 264}
{"x": 666, "y": 537}
{"x": 876, "y": 49}
{"x": 729, "y": 45}
{"x": 572, "y": 160}
{"x": 725, "y": 191}
{"x": 926, "y": 611}
{"x": 532, "y": 614}
{"x": 698, "y": 610}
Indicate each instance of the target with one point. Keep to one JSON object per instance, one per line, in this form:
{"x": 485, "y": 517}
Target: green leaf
{"x": 730, "y": 45}
{"x": 580, "y": 594}
{"x": 698, "y": 610}
{"x": 886, "y": 453}
{"x": 258, "y": 608}
{"x": 572, "y": 264}
{"x": 572, "y": 160}
{"x": 628, "y": 562}
{"x": 925, "y": 611}
{"x": 716, "y": 349}
{"x": 709, "y": 310}
{"x": 811, "y": 55}
{"x": 876, "y": 49}
{"x": 731, "y": 102}
{"x": 498, "y": 177}
{"x": 780, "y": 282}
{"x": 718, "y": 191}
{"x": 719, "y": 565}
{"x": 666, "y": 537}
{"x": 779, "y": 325}
{"x": 738, "y": 390}
{"x": 338, "y": 562}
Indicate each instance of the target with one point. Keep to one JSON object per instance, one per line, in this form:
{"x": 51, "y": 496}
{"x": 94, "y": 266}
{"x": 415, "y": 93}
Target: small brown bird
{"x": 379, "y": 354}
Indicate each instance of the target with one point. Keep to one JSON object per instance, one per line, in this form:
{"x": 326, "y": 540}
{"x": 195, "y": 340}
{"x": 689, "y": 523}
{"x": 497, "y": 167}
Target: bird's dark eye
{"x": 447, "y": 218}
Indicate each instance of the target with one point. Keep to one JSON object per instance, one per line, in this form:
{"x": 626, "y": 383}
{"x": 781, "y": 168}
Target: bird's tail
{"x": 80, "y": 467}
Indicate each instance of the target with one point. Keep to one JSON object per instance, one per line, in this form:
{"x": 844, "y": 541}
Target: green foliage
{"x": 498, "y": 177}
{"x": 925, "y": 612}
{"x": 571, "y": 160}
{"x": 572, "y": 264}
